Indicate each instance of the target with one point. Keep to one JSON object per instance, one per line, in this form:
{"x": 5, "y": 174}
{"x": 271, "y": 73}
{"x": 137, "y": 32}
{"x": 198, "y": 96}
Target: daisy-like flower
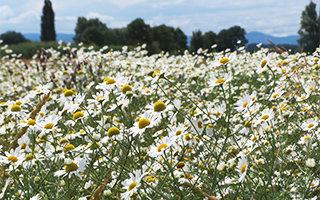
{"x": 266, "y": 116}
{"x": 49, "y": 123}
{"x": 262, "y": 66}
{"x": 219, "y": 81}
{"x": 132, "y": 184}
{"x": 302, "y": 97}
{"x": 243, "y": 166}
{"x": 72, "y": 167}
{"x": 160, "y": 107}
{"x": 162, "y": 145}
{"x": 147, "y": 120}
{"x": 244, "y": 103}
{"x": 310, "y": 124}
{"x": 14, "y": 157}
{"x": 276, "y": 94}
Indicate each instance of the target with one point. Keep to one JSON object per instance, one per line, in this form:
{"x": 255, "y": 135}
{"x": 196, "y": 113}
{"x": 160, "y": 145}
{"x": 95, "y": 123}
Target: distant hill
{"x": 257, "y": 37}
{"x": 60, "y": 36}
{"x": 252, "y": 37}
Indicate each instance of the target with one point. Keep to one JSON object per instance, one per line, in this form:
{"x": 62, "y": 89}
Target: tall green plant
{"x": 48, "y": 32}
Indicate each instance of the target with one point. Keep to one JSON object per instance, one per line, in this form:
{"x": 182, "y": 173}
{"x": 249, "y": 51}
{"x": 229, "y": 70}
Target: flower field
{"x": 83, "y": 124}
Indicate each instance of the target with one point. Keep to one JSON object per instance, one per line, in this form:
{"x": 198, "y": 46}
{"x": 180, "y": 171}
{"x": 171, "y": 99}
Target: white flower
{"x": 243, "y": 165}
{"x": 310, "y": 163}
{"x": 310, "y": 124}
{"x": 219, "y": 81}
{"x": 132, "y": 184}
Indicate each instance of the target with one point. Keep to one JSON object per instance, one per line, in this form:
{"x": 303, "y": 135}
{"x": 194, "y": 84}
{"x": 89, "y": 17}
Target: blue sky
{"x": 275, "y": 17}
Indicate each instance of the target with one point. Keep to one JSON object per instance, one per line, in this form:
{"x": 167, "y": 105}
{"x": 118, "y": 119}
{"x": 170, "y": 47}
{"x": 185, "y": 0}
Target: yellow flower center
{"x": 188, "y": 137}
{"x": 224, "y": 60}
{"x": 132, "y": 185}
{"x": 70, "y": 168}
{"x": 78, "y": 115}
{"x": 18, "y": 103}
{"x": 275, "y": 96}
{"x": 307, "y": 138}
{"x": 68, "y": 147}
{"x": 31, "y": 122}
{"x": 68, "y": 93}
{"x": 30, "y": 156}
{"x": 63, "y": 141}
{"x": 48, "y": 126}
{"x": 178, "y": 132}
{"x": 265, "y": 117}
{"x": 15, "y": 108}
{"x": 310, "y": 89}
{"x": 199, "y": 124}
{"x": 220, "y": 80}
{"x": 263, "y": 63}
{"x": 159, "y": 106}
{"x": 180, "y": 165}
{"x": 143, "y": 123}
{"x": 23, "y": 146}
{"x": 243, "y": 168}
{"x": 161, "y": 147}
{"x": 110, "y": 81}
{"x": 156, "y": 72}
{"x": 113, "y": 131}
{"x": 12, "y": 158}
{"x": 100, "y": 98}
{"x": 126, "y": 88}
{"x": 303, "y": 97}
{"x": 245, "y": 104}
{"x": 310, "y": 125}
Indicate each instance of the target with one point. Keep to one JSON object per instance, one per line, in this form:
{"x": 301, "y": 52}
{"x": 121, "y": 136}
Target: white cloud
{"x": 5, "y": 12}
{"x": 126, "y": 3}
{"x": 29, "y": 16}
{"x": 167, "y": 3}
{"x": 102, "y": 18}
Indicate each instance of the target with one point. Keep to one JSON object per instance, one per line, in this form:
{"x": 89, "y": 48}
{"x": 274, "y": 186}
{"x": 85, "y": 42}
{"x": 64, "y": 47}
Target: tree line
{"x": 163, "y": 37}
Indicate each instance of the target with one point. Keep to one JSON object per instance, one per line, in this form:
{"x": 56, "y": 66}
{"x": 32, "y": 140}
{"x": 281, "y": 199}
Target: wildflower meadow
{"x": 76, "y": 123}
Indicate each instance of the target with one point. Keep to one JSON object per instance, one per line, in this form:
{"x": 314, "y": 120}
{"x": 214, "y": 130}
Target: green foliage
{"x": 139, "y": 32}
{"x": 196, "y": 41}
{"x": 48, "y": 32}
{"x": 310, "y": 28}
{"x": 29, "y": 49}
{"x": 164, "y": 36}
{"x": 92, "y": 31}
{"x": 209, "y": 39}
{"x": 229, "y": 38}
{"x": 12, "y": 37}
{"x": 180, "y": 39}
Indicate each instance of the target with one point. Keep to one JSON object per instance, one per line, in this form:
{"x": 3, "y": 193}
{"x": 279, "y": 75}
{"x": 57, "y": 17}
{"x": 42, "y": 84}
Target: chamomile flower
{"x": 132, "y": 184}
{"x": 14, "y": 157}
{"x": 75, "y": 167}
{"x": 243, "y": 166}
{"x": 310, "y": 124}
{"x": 219, "y": 81}
{"x": 146, "y": 120}
{"x": 49, "y": 123}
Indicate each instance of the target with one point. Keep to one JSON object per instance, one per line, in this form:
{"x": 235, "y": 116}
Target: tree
{"x": 164, "y": 36}
{"x": 209, "y": 39}
{"x": 231, "y": 38}
{"x": 309, "y": 29}
{"x": 12, "y": 37}
{"x": 48, "y": 32}
{"x": 196, "y": 41}
{"x": 180, "y": 39}
{"x": 138, "y": 32}
{"x": 92, "y": 31}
